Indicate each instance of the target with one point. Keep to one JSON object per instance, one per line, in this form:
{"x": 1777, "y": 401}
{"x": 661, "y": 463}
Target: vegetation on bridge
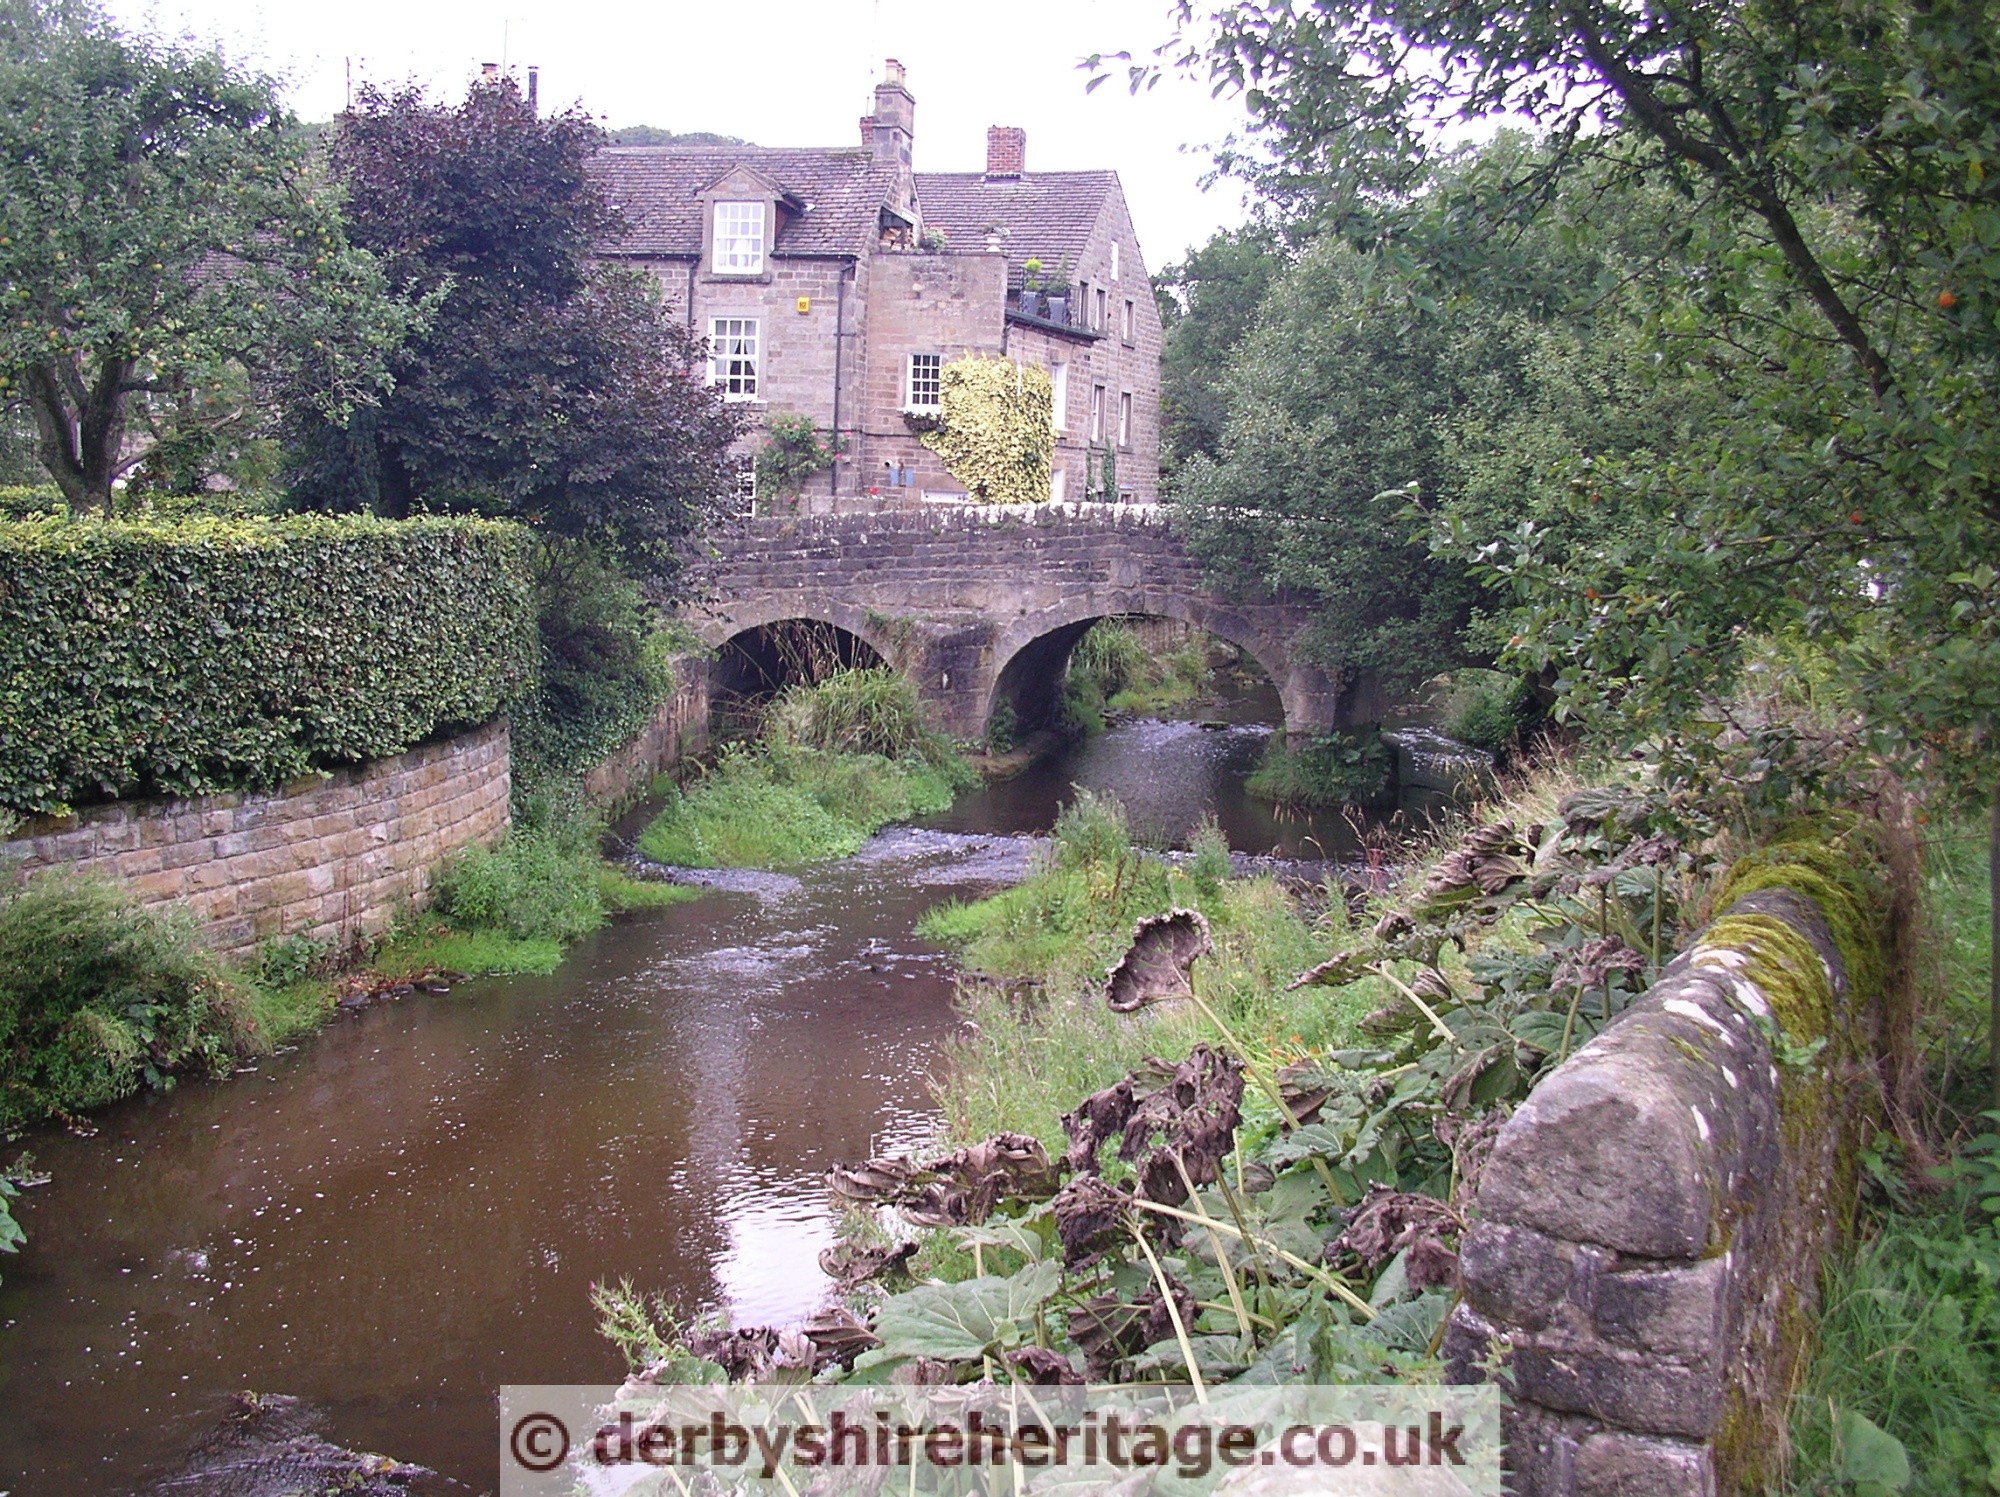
{"x": 993, "y": 429}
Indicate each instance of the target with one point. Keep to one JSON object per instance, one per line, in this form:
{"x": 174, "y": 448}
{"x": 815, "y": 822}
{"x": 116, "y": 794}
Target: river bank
{"x": 412, "y": 1208}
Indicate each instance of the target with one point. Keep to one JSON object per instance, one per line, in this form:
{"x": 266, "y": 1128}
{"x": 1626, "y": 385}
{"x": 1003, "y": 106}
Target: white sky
{"x": 777, "y": 72}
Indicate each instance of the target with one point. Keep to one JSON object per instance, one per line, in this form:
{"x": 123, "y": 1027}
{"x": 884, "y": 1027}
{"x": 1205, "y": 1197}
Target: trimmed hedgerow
{"x": 184, "y": 657}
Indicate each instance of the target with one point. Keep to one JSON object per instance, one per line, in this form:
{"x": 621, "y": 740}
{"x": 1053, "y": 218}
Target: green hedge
{"x": 181, "y": 657}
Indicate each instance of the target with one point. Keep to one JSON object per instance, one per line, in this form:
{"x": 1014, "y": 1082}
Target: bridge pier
{"x": 976, "y": 602}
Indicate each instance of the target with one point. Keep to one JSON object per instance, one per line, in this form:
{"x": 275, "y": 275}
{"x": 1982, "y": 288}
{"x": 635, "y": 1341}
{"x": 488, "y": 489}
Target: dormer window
{"x": 739, "y": 239}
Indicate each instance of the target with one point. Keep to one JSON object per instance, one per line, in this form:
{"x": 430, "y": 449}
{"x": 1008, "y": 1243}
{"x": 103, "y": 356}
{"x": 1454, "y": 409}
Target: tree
{"x": 1360, "y": 384}
{"x": 548, "y": 386}
{"x": 163, "y": 233}
{"x": 1837, "y": 280}
{"x": 1208, "y": 302}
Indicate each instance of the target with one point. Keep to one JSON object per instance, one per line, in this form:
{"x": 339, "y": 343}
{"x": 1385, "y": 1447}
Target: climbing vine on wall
{"x": 994, "y": 429}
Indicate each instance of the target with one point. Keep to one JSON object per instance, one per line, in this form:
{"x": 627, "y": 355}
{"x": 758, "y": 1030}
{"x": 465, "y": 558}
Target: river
{"x": 408, "y": 1210}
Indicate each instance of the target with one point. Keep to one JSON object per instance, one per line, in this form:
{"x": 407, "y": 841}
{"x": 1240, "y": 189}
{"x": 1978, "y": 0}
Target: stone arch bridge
{"x": 982, "y": 604}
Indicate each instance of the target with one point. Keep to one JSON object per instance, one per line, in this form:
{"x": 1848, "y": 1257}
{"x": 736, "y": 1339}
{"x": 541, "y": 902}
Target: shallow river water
{"x": 409, "y": 1209}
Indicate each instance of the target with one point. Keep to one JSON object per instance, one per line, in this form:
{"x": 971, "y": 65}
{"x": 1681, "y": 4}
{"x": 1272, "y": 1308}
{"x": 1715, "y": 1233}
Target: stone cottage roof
{"x": 1044, "y": 215}
{"x": 659, "y": 188}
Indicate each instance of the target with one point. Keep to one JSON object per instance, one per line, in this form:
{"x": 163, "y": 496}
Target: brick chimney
{"x": 1006, "y": 151}
{"x": 868, "y": 129}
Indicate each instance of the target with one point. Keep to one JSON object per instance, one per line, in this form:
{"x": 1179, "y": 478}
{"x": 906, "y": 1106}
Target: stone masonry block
{"x": 1675, "y": 1312}
{"x": 1614, "y": 1464}
{"x": 1644, "y": 1393}
{"x": 1517, "y": 1276}
{"x": 1606, "y": 1153}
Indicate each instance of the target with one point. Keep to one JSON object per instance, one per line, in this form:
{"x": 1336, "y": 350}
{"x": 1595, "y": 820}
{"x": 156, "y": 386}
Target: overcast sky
{"x": 777, "y": 72}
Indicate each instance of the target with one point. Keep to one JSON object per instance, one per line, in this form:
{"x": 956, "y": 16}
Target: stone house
{"x": 834, "y": 283}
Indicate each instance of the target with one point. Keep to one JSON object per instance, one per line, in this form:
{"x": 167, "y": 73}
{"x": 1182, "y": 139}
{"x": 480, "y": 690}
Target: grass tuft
{"x": 836, "y": 762}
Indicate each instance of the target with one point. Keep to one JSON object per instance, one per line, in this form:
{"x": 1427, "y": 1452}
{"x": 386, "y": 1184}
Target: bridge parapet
{"x": 982, "y": 603}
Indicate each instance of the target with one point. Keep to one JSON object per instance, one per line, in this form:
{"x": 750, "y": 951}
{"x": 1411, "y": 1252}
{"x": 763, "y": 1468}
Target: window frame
{"x": 1114, "y": 259}
{"x": 745, "y": 209}
{"x": 1131, "y": 320}
{"x": 1097, "y": 403}
{"x": 1103, "y": 310}
{"x": 910, "y": 401}
{"x": 1125, "y": 419}
{"x": 1059, "y": 396}
{"x": 755, "y": 358}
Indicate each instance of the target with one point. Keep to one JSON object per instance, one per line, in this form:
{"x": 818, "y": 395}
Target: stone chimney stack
{"x": 1006, "y": 152}
{"x": 893, "y": 133}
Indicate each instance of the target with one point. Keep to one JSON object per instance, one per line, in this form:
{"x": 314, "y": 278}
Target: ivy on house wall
{"x": 994, "y": 429}
{"x": 184, "y": 657}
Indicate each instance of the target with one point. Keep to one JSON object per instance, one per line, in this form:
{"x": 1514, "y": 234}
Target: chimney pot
{"x": 1006, "y": 151}
{"x": 489, "y": 70}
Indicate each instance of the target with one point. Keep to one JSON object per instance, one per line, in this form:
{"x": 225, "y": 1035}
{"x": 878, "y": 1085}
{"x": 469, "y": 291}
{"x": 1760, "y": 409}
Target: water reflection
{"x": 410, "y": 1210}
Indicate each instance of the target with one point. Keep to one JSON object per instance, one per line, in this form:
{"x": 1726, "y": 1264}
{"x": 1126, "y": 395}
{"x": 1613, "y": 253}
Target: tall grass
{"x": 1113, "y": 669}
{"x": 1336, "y": 769}
{"x": 99, "y": 997}
{"x": 836, "y": 761}
{"x": 1030, "y": 1060}
{"x": 873, "y": 711}
{"x": 1909, "y": 1342}
{"x": 1909, "y": 1338}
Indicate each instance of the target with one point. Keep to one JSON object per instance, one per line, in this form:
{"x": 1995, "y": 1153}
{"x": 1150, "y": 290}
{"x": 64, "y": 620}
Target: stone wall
{"x": 678, "y": 729}
{"x": 1649, "y": 1230}
{"x": 330, "y": 858}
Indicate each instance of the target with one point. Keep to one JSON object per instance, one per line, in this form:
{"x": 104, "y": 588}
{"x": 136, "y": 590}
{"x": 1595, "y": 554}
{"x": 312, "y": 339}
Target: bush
{"x": 605, "y": 670}
{"x": 1336, "y": 769}
{"x": 32, "y": 502}
{"x": 146, "y": 657}
{"x": 99, "y": 997}
{"x": 873, "y": 711}
{"x": 1489, "y": 711}
{"x": 537, "y": 885}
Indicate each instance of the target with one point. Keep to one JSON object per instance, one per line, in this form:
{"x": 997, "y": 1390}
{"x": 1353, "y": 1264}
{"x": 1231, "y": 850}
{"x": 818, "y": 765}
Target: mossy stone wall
{"x": 1649, "y": 1232}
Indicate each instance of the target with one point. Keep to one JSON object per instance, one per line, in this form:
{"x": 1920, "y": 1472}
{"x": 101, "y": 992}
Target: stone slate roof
{"x": 658, "y": 189}
{"x": 1046, "y": 215}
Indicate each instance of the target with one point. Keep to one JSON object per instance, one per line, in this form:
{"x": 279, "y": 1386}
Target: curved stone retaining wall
{"x": 330, "y": 858}
{"x": 1650, "y": 1227}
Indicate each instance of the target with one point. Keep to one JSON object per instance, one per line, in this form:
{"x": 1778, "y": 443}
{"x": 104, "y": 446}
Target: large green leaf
{"x": 1871, "y": 1458}
{"x": 969, "y": 1319}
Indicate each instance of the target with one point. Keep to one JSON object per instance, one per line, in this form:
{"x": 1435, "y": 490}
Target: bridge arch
{"x": 718, "y": 630}
{"x": 1036, "y": 648}
{"x": 756, "y": 656}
